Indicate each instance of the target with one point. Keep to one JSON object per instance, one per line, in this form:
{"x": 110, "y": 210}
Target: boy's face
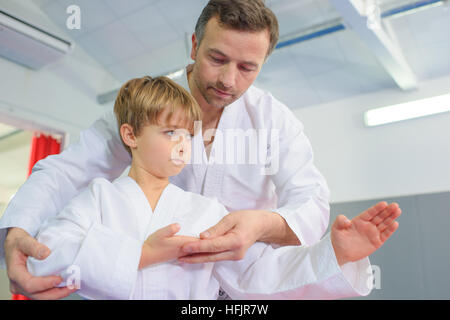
{"x": 163, "y": 149}
{"x": 227, "y": 62}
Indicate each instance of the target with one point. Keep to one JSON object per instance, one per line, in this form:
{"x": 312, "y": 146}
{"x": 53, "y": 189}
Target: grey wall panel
{"x": 434, "y": 229}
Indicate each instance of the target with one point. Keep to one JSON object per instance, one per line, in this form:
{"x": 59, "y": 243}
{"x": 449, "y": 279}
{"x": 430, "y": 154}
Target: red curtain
{"x": 41, "y": 147}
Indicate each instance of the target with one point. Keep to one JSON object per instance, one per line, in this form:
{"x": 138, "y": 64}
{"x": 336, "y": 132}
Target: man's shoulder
{"x": 262, "y": 102}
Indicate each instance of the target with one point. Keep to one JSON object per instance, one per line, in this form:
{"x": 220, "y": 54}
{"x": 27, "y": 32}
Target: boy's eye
{"x": 169, "y": 132}
{"x": 172, "y": 133}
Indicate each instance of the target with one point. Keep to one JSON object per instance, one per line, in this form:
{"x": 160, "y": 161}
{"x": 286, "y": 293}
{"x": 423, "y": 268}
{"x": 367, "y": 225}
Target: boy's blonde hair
{"x": 140, "y": 102}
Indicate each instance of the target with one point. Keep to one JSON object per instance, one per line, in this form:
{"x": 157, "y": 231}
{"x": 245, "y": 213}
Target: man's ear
{"x": 127, "y": 134}
{"x": 194, "y": 47}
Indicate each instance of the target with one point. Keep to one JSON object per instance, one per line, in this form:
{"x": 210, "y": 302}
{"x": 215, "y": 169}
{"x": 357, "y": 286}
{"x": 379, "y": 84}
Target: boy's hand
{"x": 364, "y": 234}
{"x": 163, "y": 245}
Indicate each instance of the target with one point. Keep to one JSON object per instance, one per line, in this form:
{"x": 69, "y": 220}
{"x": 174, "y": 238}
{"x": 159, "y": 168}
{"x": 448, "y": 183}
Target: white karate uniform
{"x": 297, "y": 191}
{"x": 121, "y": 207}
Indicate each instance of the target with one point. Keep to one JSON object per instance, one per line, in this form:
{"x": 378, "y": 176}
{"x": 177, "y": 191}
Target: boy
{"x": 155, "y": 119}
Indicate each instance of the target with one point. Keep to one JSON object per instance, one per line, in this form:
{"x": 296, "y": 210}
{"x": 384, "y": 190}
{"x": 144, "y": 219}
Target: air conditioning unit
{"x": 28, "y": 45}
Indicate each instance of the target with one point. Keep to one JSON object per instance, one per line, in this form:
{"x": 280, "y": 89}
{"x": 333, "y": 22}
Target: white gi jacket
{"x": 121, "y": 207}
{"x": 296, "y": 190}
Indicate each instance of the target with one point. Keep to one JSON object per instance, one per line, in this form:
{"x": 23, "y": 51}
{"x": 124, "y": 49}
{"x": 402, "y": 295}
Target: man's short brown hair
{"x": 242, "y": 15}
{"x": 141, "y": 101}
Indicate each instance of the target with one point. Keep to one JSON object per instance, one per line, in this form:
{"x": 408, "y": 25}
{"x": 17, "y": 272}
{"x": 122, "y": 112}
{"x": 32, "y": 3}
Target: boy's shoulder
{"x": 198, "y": 199}
{"x": 100, "y": 184}
{"x": 101, "y": 188}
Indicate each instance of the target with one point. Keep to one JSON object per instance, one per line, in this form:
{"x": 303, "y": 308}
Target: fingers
{"x": 22, "y": 282}
{"x": 31, "y": 247}
{"x": 219, "y": 244}
{"x": 53, "y": 294}
{"x": 389, "y": 210}
{"x": 389, "y": 220}
{"x": 183, "y": 240}
{"x": 373, "y": 211}
{"x": 389, "y": 231}
{"x": 50, "y": 294}
{"x": 342, "y": 222}
{"x": 219, "y": 229}
{"x": 169, "y": 230}
{"x": 208, "y": 257}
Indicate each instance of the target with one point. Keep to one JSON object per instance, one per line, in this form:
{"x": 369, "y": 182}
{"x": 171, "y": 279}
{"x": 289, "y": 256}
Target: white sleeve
{"x": 294, "y": 272}
{"x": 56, "y": 179}
{"x": 303, "y": 194}
{"x": 84, "y": 252}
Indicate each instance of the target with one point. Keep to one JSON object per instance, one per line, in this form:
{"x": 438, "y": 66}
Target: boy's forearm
{"x": 277, "y": 230}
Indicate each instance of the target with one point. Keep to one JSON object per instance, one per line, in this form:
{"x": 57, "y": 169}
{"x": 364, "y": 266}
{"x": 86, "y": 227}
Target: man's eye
{"x": 246, "y": 69}
{"x": 217, "y": 60}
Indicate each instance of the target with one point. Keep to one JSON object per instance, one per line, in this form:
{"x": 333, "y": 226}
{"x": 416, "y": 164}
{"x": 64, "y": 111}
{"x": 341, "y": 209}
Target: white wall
{"x": 404, "y": 158}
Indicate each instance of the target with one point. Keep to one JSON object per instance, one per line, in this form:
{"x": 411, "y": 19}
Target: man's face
{"x": 227, "y": 62}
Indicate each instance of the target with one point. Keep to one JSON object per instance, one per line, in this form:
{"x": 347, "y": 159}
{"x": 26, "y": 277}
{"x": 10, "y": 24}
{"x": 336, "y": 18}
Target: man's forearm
{"x": 277, "y": 231}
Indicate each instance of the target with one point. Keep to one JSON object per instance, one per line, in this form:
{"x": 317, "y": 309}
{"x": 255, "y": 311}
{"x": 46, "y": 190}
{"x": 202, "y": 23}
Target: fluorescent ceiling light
{"x": 33, "y": 32}
{"x": 28, "y": 45}
{"x": 408, "y": 110}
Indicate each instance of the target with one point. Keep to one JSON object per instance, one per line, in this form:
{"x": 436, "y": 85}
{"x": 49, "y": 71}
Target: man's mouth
{"x": 221, "y": 93}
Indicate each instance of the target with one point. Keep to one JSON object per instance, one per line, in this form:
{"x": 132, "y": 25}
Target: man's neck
{"x": 211, "y": 114}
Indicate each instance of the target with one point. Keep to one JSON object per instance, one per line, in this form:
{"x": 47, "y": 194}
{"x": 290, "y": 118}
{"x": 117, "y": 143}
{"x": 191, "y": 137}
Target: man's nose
{"x": 227, "y": 76}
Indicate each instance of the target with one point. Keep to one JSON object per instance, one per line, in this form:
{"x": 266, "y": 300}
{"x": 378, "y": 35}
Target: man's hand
{"x": 235, "y": 233}
{"x": 19, "y": 245}
{"x": 358, "y": 238}
{"x": 163, "y": 245}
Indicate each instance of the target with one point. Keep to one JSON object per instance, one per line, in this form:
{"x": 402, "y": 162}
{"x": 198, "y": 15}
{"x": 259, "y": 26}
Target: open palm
{"x": 364, "y": 234}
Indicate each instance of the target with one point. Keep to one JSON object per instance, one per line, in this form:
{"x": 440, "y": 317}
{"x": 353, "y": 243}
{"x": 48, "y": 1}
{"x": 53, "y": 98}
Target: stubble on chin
{"x": 210, "y": 98}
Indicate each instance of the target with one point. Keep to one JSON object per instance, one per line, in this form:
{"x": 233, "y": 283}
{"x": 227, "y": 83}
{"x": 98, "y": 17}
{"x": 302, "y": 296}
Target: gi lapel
{"x": 214, "y": 168}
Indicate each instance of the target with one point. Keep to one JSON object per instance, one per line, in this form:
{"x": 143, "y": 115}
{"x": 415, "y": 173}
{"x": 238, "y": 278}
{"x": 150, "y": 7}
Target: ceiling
{"x": 133, "y": 38}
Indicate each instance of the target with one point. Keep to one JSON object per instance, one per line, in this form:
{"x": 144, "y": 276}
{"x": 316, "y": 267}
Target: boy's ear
{"x": 127, "y": 134}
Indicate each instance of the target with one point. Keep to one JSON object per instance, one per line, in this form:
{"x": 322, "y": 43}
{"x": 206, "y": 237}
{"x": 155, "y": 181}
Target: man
{"x": 287, "y": 206}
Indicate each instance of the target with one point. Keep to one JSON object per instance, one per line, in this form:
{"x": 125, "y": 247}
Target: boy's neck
{"x": 151, "y": 185}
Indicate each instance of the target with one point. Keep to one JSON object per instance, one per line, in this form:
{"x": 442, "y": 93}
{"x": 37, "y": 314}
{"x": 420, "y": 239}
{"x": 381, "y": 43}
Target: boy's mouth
{"x": 177, "y": 162}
